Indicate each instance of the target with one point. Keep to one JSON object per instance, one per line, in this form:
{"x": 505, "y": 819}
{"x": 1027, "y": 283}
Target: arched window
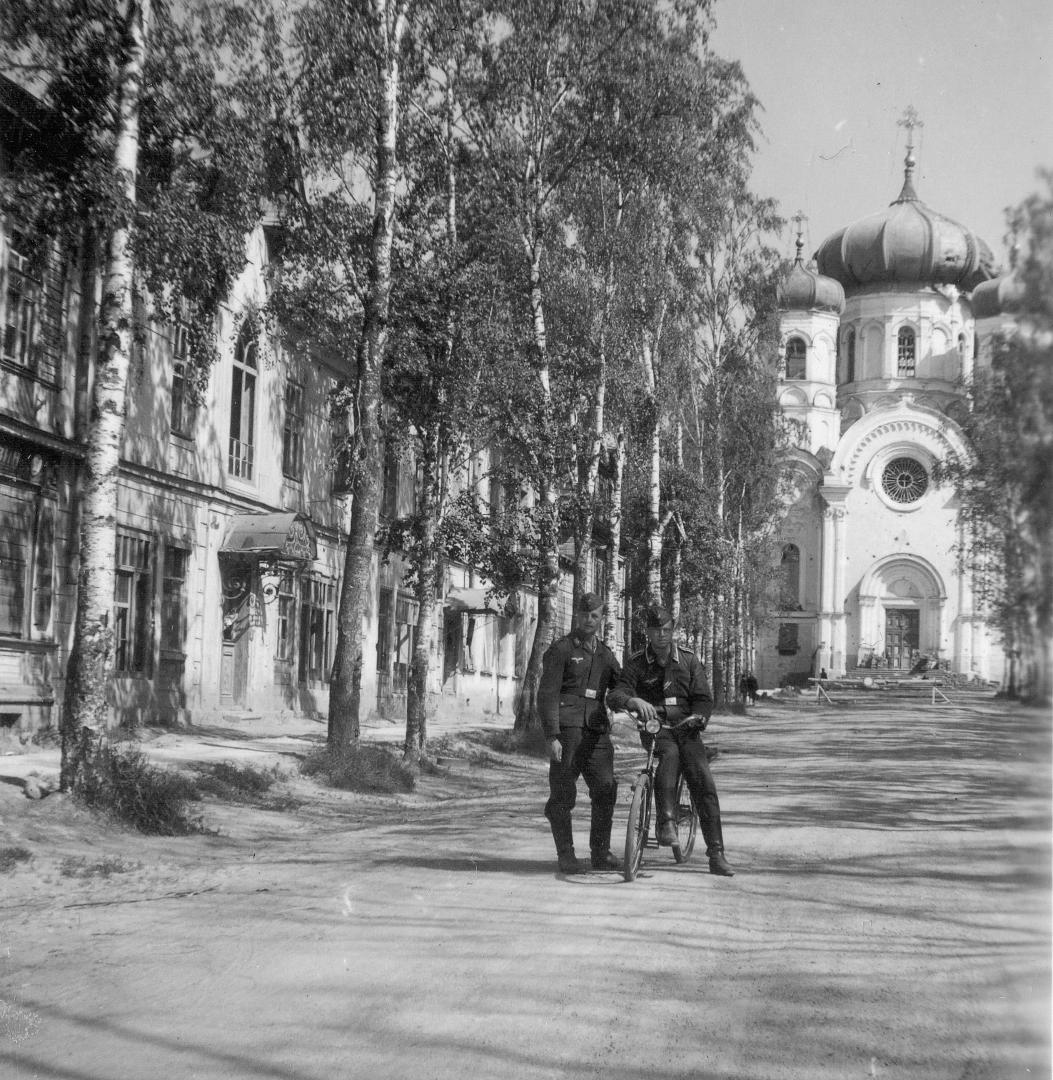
{"x": 796, "y": 354}
{"x": 850, "y": 356}
{"x": 790, "y": 578}
{"x": 963, "y": 348}
{"x": 905, "y": 353}
{"x": 243, "y": 404}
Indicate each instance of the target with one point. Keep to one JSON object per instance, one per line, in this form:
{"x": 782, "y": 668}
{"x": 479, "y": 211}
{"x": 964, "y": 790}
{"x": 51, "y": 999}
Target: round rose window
{"x": 904, "y": 480}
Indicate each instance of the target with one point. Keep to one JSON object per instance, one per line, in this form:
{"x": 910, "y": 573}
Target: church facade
{"x": 877, "y": 335}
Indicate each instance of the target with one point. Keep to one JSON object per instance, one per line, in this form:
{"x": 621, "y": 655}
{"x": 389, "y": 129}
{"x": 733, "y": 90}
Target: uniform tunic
{"x": 575, "y": 679}
{"x": 679, "y": 688}
{"x": 574, "y": 682}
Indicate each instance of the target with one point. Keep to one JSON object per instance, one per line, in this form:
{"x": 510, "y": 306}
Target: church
{"x": 878, "y": 335}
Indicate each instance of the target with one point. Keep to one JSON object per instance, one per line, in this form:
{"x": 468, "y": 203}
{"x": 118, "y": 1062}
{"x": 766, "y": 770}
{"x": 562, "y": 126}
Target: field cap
{"x": 590, "y": 601}
{"x": 658, "y": 616}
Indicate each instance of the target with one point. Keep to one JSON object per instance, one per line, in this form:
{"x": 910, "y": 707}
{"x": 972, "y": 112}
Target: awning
{"x": 472, "y": 600}
{"x": 279, "y": 536}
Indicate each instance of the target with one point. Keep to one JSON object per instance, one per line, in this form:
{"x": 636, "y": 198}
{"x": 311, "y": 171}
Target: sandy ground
{"x": 890, "y": 918}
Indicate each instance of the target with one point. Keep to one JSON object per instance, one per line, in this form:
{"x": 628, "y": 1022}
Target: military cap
{"x": 590, "y": 601}
{"x": 658, "y": 616}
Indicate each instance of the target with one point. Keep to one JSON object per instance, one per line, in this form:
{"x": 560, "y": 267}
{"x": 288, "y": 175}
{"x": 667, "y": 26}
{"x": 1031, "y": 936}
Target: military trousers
{"x": 587, "y": 754}
{"x": 684, "y": 751}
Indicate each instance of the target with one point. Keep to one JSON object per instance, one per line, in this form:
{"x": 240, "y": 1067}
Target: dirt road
{"x": 890, "y": 918}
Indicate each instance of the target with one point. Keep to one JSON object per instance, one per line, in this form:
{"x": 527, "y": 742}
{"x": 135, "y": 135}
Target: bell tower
{"x": 810, "y": 307}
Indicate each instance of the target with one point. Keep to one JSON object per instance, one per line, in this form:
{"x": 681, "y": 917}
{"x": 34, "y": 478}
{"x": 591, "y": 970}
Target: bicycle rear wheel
{"x": 685, "y": 822}
{"x": 636, "y": 827}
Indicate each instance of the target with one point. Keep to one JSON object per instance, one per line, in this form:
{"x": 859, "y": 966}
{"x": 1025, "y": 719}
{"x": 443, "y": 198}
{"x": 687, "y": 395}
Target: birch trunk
{"x": 548, "y": 531}
{"x": 433, "y": 489}
{"x": 91, "y": 658}
{"x": 346, "y": 683}
{"x": 614, "y": 546}
{"x": 654, "y": 485}
{"x": 587, "y": 490}
{"x": 427, "y": 584}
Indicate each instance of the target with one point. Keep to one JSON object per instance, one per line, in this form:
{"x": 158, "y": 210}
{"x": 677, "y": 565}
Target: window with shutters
{"x": 182, "y": 416}
{"x": 33, "y": 278}
{"x": 292, "y": 433}
{"x": 173, "y": 600}
{"x": 317, "y": 619}
{"x": 241, "y": 452}
{"x": 133, "y": 588}
{"x": 21, "y": 302}
{"x": 286, "y": 617}
{"x": 27, "y": 542}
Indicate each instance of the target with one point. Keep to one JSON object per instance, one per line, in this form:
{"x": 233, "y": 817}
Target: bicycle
{"x": 638, "y": 833}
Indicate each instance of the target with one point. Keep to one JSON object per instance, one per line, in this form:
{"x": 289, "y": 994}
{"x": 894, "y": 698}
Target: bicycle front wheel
{"x": 636, "y": 827}
{"x": 685, "y": 823}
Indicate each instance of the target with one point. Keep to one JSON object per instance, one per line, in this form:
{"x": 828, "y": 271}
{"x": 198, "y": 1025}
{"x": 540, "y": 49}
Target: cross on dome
{"x": 910, "y": 121}
{"x": 799, "y": 219}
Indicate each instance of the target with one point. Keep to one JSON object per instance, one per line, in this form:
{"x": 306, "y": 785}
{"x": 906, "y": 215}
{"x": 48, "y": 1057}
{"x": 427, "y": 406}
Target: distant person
{"x": 669, "y": 683}
{"x": 822, "y": 675}
{"x": 752, "y": 686}
{"x": 577, "y": 672}
{"x": 744, "y": 688}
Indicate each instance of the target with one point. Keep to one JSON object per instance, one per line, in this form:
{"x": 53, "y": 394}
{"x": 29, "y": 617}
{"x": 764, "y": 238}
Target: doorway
{"x": 234, "y": 654}
{"x": 902, "y": 633}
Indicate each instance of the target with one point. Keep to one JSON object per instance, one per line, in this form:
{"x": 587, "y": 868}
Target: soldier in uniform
{"x": 578, "y": 671}
{"x": 668, "y": 682}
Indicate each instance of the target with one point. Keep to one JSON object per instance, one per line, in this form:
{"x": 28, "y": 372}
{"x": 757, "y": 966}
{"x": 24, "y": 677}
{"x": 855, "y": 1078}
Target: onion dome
{"x": 1000, "y": 296}
{"x": 906, "y": 244}
{"x": 805, "y": 289}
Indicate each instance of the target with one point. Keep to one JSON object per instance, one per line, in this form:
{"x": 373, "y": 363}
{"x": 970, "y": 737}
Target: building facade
{"x": 878, "y": 336}
{"x": 231, "y": 521}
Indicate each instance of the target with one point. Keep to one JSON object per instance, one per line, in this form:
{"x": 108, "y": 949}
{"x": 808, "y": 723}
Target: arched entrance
{"x": 901, "y": 601}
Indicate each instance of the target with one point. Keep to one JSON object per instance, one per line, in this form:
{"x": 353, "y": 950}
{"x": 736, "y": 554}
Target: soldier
{"x": 578, "y": 671}
{"x": 665, "y": 681}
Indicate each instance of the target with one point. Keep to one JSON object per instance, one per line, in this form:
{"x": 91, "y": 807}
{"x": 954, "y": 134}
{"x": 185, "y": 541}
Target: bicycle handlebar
{"x": 629, "y": 714}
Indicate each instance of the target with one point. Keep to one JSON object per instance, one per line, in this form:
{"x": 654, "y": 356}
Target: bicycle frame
{"x": 641, "y": 809}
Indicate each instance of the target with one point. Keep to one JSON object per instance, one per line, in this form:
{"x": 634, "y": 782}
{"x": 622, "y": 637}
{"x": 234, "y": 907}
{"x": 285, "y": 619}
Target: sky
{"x": 834, "y": 76}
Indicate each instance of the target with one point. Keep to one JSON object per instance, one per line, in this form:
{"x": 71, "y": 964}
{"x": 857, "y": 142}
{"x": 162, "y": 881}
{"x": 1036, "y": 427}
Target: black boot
{"x": 605, "y": 860}
{"x": 563, "y": 836}
{"x": 713, "y": 835}
{"x": 718, "y": 864}
{"x": 569, "y": 863}
{"x": 600, "y": 830}
{"x": 666, "y": 834}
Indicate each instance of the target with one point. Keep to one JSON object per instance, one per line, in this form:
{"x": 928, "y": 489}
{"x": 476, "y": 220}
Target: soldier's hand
{"x": 644, "y": 709}
{"x": 555, "y": 750}
{"x": 696, "y": 723}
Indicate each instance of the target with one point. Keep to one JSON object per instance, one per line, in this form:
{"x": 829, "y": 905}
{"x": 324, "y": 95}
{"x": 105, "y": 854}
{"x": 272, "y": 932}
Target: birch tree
{"x": 1006, "y": 487}
{"x": 145, "y": 132}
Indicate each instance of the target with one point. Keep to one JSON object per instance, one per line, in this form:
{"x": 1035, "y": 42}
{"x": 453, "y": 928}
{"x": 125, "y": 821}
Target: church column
{"x": 826, "y": 591}
{"x": 891, "y": 357}
{"x": 832, "y": 622}
{"x": 838, "y": 619}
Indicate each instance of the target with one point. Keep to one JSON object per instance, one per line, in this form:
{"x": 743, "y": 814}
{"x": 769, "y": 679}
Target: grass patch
{"x": 359, "y": 767}
{"x": 74, "y": 867}
{"x": 529, "y": 743}
{"x": 244, "y": 784}
{"x": 10, "y": 857}
{"x": 482, "y": 747}
{"x": 120, "y": 782}
{"x": 229, "y": 781}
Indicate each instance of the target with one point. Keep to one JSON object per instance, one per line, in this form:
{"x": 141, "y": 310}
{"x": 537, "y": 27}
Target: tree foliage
{"x": 1006, "y": 487}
